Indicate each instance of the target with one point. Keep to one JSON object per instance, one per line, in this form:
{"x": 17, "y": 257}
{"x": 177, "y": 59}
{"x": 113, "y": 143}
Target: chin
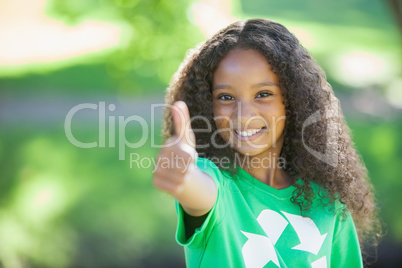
{"x": 249, "y": 151}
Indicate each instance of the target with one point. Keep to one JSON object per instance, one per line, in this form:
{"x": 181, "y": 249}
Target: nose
{"x": 244, "y": 111}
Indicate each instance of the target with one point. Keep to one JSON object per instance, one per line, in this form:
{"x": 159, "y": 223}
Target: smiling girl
{"x": 278, "y": 182}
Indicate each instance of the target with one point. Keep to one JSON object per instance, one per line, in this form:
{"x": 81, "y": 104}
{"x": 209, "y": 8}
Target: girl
{"x": 278, "y": 182}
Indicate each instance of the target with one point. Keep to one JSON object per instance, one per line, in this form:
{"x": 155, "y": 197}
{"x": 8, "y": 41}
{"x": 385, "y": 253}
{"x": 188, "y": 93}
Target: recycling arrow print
{"x": 259, "y": 249}
{"x": 272, "y": 223}
{"x": 320, "y": 263}
{"x": 310, "y": 238}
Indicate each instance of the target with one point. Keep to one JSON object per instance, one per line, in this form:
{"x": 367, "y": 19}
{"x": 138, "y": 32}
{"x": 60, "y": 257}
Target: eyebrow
{"x": 221, "y": 87}
{"x": 263, "y": 84}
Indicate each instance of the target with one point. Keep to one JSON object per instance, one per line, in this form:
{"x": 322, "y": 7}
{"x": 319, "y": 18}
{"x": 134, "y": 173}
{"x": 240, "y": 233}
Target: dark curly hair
{"x": 307, "y": 95}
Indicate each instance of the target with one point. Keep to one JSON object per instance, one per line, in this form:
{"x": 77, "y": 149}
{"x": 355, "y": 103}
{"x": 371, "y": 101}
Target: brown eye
{"x": 225, "y": 97}
{"x": 263, "y": 94}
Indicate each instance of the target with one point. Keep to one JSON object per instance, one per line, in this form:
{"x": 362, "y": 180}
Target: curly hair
{"x": 307, "y": 95}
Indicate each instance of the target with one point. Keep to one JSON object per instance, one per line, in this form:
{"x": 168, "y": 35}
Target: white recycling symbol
{"x": 259, "y": 250}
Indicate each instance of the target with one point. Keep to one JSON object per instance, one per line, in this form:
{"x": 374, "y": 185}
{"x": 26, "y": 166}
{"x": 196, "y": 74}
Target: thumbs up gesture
{"x": 193, "y": 189}
{"x": 179, "y": 152}
{"x": 182, "y": 125}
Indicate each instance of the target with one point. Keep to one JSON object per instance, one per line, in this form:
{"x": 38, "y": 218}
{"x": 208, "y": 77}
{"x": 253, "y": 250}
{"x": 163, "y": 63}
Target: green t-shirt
{"x": 255, "y": 225}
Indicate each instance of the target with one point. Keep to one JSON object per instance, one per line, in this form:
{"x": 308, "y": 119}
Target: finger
{"x": 174, "y": 177}
{"x": 168, "y": 186}
{"x": 163, "y": 185}
{"x": 182, "y": 123}
{"x": 188, "y": 149}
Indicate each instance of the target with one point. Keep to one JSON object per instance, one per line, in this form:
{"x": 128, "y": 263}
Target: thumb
{"x": 182, "y": 124}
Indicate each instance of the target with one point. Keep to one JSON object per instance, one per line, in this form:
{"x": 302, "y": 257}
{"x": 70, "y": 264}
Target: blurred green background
{"x": 65, "y": 206}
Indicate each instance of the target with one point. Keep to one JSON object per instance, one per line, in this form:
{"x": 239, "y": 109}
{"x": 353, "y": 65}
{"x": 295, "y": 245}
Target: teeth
{"x": 248, "y": 133}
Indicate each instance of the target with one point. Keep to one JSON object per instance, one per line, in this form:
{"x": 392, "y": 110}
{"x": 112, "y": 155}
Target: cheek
{"x": 276, "y": 117}
{"x": 222, "y": 122}
{"x": 279, "y": 123}
{"x": 220, "y": 116}
{"x": 280, "y": 126}
{"x": 217, "y": 109}
{"x": 221, "y": 110}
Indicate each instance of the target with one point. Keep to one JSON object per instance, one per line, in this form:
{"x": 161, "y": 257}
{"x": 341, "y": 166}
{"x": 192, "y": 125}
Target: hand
{"x": 176, "y": 159}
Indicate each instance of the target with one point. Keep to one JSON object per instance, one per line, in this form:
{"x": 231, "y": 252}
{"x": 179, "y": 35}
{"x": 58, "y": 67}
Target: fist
{"x": 175, "y": 160}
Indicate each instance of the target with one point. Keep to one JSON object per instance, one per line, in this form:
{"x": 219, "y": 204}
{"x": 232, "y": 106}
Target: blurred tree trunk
{"x": 396, "y": 9}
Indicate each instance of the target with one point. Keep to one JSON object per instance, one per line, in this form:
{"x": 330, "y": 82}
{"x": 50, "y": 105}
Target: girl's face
{"x": 248, "y": 104}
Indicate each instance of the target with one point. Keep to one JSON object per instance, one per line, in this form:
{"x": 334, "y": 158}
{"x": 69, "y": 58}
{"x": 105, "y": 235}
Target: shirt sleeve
{"x": 201, "y": 234}
{"x": 345, "y": 246}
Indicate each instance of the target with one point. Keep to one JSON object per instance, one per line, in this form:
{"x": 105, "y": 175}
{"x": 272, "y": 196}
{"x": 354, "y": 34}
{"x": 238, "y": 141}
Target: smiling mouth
{"x": 249, "y": 133}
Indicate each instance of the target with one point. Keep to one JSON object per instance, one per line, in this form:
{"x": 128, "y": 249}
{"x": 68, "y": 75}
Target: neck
{"x": 267, "y": 169}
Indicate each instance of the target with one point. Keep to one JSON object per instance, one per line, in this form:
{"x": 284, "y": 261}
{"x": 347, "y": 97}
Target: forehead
{"x": 245, "y": 65}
